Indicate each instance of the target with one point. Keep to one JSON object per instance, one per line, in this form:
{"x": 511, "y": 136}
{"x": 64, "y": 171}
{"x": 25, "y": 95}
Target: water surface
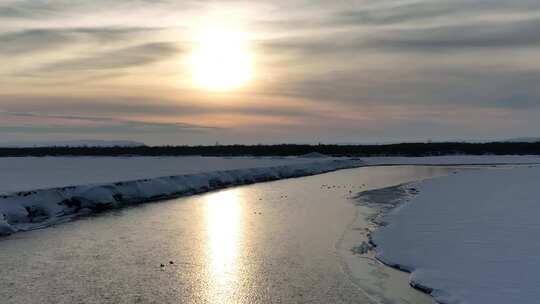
{"x": 265, "y": 243}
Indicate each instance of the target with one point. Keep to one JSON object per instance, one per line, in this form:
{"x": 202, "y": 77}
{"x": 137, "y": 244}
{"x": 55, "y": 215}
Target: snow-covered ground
{"x": 471, "y": 237}
{"x": 81, "y": 185}
{"x": 31, "y": 173}
{"x": 454, "y": 160}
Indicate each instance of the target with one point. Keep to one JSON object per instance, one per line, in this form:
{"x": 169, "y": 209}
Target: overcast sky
{"x": 325, "y": 71}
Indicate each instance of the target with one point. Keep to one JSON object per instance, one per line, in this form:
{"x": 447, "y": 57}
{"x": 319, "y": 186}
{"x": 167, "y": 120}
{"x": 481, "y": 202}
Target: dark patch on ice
{"x": 71, "y": 203}
{"x": 363, "y": 248}
{"x": 100, "y": 207}
{"x": 383, "y": 201}
{"x": 35, "y": 214}
{"x": 422, "y": 288}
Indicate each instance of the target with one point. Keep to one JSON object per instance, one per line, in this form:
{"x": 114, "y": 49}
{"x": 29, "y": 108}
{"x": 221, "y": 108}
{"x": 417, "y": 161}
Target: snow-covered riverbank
{"x": 31, "y": 173}
{"x": 453, "y": 160}
{"x": 466, "y": 238}
{"x": 39, "y": 191}
{"x": 32, "y": 209}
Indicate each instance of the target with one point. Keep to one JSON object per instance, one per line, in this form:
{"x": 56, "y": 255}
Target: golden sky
{"x": 196, "y": 72}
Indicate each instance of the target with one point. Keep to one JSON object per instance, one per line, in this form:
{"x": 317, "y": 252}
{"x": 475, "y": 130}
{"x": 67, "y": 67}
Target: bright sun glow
{"x": 221, "y": 60}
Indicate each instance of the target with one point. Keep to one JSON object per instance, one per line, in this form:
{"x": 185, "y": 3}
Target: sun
{"x": 221, "y": 60}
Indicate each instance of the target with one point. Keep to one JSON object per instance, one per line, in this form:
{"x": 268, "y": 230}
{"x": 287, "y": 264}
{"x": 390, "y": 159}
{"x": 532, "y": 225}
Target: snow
{"x": 454, "y": 160}
{"x": 105, "y": 183}
{"x": 524, "y": 139}
{"x": 313, "y": 155}
{"x": 40, "y": 191}
{"x": 471, "y": 237}
{"x": 30, "y": 173}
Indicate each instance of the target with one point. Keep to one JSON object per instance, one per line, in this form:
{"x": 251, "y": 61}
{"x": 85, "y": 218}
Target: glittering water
{"x": 265, "y": 243}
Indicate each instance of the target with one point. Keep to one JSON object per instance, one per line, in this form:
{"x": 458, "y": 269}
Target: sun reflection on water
{"x": 223, "y": 220}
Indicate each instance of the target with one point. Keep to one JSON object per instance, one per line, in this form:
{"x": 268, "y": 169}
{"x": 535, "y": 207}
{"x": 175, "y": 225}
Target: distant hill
{"x": 73, "y": 143}
{"x": 525, "y": 139}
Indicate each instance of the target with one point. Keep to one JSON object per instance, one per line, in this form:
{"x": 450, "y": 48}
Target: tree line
{"x": 401, "y": 149}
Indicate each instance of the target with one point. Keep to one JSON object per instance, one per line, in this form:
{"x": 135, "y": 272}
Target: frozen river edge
{"x": 27, "y": 210}
{"x": 469, "y": 245}
{"x": 383, "y": 201}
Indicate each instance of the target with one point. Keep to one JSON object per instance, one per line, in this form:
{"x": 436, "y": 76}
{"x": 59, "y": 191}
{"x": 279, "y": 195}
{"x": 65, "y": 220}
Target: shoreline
{"x": 451, "y": 232}
{"x": 357, "y": 252}
{"x": 372, "y": 206}
{"x": 399, "y": 195}
{"x": 383, "y": 282}
{"x": 29, "y": 210}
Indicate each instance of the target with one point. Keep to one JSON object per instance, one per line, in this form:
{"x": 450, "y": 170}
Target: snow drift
{"x": 27, "y": 210}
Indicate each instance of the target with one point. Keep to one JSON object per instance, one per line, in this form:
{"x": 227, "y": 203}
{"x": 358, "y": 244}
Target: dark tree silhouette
{"x": 403, "y": 149}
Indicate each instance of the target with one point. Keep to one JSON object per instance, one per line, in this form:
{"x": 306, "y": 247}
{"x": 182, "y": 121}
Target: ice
{"x": 469, "y": 237}
{"x": 454, "y": 160}
{"x": 363, "y": 248}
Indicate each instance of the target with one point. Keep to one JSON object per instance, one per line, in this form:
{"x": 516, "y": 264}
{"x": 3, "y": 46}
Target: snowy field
{"x": 454, "y": 160}
{"x": 471, "y": 237}
{"x": 30, "y": 173}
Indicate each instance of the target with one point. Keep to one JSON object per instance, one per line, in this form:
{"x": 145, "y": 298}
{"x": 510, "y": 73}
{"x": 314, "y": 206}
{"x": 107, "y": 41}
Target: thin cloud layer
{"x": 338, "y": 71}
{"x": 91, "y": 124}
{"x": 134, "y": 56}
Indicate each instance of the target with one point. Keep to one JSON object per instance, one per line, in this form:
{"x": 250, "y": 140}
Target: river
{"x": 286, "y": 241}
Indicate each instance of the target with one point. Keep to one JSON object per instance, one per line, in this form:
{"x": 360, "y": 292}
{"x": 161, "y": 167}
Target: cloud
{"x": 432, "y": 53}
{"x": 26, "y": 8}
{"x": 121, "y": 58}
{"x": 430, "y": 12}
{"x": 31, "y": 41}
{"x": 523, "y": 33}
{"x": 116, "y": 106}
{"x": 461, "y": 86}
{"x": 351, "y": 56}
{"x": 72, "y": 124}
{"x": 393, "y": 13}
{"x": 32, "y": 9}
{"x": 488, "y": 35}
{"x": 24, "y": 42}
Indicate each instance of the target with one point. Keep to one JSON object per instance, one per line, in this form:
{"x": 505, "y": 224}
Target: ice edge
{"x": 386, "y": 200}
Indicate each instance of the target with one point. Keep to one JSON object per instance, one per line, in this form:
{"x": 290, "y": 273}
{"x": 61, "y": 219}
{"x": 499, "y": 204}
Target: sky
{"x": 286, "y": 70}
